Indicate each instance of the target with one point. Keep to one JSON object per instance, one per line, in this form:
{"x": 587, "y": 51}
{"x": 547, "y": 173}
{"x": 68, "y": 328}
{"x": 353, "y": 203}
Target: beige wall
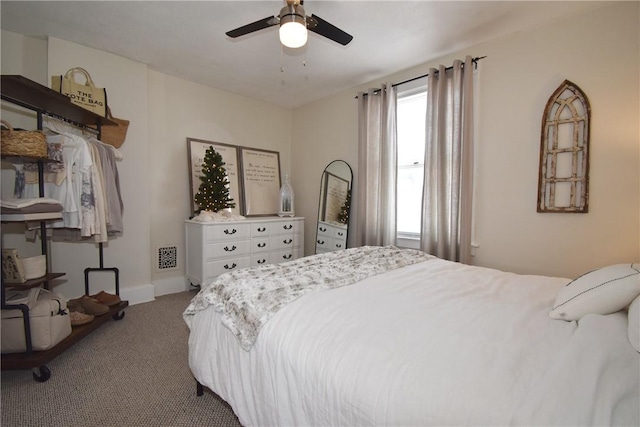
{"x": 179, "y": 109}
{"x": 24, "y": 55}
{"x": 600, "y": 52}
{"x": 125, "y": 81}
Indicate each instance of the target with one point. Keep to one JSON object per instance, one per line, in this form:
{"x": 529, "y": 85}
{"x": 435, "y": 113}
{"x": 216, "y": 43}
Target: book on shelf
{"x": 12, "y": 268}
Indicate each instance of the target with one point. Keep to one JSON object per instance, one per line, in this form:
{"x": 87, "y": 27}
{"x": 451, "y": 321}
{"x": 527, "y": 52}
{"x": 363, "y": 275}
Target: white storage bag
{"x": 49, "y": 317}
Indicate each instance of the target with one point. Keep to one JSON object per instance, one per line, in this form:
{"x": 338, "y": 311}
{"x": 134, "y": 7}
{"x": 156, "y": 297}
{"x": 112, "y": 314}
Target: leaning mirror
{"x": 334, "y": 207}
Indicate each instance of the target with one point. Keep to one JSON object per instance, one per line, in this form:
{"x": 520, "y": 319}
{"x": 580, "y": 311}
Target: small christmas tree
{"x": 213, "y": 193}
{"x": 343, "y": 215}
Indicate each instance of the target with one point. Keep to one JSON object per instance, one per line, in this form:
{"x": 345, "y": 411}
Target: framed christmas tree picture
{"x": 213, "y": 176}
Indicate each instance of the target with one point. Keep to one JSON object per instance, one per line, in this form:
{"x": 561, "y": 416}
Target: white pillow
{"x": 634, "y": 324}
{"x": 603, "y": 291}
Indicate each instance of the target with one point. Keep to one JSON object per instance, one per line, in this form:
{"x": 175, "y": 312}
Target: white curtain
{"x": 377, "y": 168}
{"x": 448, "y": 167}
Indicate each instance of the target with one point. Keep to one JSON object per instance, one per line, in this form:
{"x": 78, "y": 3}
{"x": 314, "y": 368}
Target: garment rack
{"x": 40, "y": 99}
{"x": 94, "y": 131}
{"x": 87, "y": 270}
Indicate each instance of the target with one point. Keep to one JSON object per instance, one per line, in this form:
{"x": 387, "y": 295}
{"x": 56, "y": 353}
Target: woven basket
{"x": 114, "y": 134}
{"x": 25, "y": 143}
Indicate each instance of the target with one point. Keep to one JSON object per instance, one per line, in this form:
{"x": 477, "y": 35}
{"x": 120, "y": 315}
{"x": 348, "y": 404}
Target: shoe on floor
{"x": 93, "y": 306}
{"x": 107, "y": 299}
{"x": 78, "y": 318}
{"x": 75, "y": 305}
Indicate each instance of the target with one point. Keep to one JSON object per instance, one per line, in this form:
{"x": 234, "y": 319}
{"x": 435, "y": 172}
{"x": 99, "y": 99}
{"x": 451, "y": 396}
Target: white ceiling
{"x": 187, "y": 39}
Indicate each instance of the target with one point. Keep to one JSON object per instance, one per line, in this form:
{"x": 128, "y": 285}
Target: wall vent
{"x": 167, "y": 258}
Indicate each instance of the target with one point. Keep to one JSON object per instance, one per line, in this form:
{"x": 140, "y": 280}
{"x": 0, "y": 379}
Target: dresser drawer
{"x": 283, "y": 242}
{"x": 325, "y": 243}
{"x": 324, "y": 230}
{"x": 260, "y": 244}
{"x": 340, "y": 234}
{"x": 227, "y": 249}
{"x": 339, "y": 245}
{"x": 260, "y": 259}
{"x": 262, "y": 229}
{"x": 282, "y": 256}
{"x": 218, "y": 267}
{"x": 285, "y": 227}
{"x": 223, "y": 231}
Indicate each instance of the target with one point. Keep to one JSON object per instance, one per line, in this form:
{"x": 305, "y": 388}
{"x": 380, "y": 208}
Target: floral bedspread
{"x": 248, "y": 298}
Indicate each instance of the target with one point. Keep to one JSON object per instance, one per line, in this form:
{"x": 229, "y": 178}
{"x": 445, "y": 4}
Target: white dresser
{"x": 331, "y": 237}
{"x": 214, "y": 248}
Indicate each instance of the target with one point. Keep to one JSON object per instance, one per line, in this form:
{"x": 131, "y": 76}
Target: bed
{"x": 384, "y": 336}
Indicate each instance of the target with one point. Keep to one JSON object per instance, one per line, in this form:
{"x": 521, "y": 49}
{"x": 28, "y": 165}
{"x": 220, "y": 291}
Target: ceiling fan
{"x": 294, "y": 24}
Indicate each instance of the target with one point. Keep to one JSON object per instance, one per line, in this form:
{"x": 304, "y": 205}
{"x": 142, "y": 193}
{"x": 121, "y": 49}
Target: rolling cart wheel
{"x": 41, "y": 374}
{"x": 118, "y": 316}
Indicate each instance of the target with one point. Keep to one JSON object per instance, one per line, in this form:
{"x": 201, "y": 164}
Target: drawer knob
{"x": 323, "y": 229}
{"x": 262, "y": 261}
{"x": 262, "y": 229}
{"x": 340, "y": 233}
{"x": 233, "y": 231}
{"x": 321, "y": 242}
{"x": 338, "y": 245}
{"x": 233, "y": 248}
{"x": 287, "y": 242}
{"x": 287, "y": 256}
{"x": 262, "y": 245}
{"x": 234, "y": 265}
{"x": 287, "y": 226}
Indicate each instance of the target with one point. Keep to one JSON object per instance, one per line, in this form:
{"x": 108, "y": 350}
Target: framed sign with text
{"x": 260, "y": 170}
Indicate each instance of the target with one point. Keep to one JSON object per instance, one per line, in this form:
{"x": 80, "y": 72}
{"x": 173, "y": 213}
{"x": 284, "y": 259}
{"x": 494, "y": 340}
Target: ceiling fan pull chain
{"x": 281, "y": 59}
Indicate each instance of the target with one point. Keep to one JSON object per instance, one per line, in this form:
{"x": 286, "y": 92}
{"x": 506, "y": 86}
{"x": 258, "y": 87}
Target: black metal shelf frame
{"x": 42, "y": 100}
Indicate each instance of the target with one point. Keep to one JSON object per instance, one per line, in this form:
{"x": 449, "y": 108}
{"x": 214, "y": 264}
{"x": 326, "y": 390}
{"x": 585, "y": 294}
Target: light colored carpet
{"x": 131, "y": 372}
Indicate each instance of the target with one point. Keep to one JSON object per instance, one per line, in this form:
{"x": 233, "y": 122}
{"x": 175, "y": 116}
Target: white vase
{"x": 286, "y": 198}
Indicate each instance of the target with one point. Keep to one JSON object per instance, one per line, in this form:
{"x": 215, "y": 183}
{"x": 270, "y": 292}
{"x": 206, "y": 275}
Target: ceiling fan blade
{"x": 322, "y": 27}
{"x": 254, "y": 26}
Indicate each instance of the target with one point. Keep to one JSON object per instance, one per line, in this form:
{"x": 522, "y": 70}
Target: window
{"x": 411, "y": 117}
{"x": 411, "y": 125}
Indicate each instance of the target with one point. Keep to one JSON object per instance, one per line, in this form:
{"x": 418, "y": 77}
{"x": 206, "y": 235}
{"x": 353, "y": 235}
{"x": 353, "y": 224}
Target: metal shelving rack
{"x": 33, "y": 96}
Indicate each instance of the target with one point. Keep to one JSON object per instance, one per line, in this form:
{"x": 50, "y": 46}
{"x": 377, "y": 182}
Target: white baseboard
{"x": 171, "y": 285}
{"x": 138, "y": 294}
{"x": 147, "y": 293}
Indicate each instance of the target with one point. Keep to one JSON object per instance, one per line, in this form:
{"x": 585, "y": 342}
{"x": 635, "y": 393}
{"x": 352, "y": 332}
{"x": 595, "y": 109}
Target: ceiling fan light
{"x": 293, "y": 28}
{"x": 293, "y": 34}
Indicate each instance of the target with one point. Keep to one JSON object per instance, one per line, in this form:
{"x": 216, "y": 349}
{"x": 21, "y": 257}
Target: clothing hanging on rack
{"x": 85, "y": 182}
{"x": 111, "y": 181}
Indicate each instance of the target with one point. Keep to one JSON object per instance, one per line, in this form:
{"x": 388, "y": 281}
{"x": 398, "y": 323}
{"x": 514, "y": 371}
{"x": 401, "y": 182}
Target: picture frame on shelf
{"x": 196, "y": 151}
{"x": 260, "y": 178}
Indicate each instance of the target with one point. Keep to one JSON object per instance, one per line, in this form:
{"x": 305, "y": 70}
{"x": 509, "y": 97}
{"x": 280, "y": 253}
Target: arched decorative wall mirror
{"x": 334, "y": 207}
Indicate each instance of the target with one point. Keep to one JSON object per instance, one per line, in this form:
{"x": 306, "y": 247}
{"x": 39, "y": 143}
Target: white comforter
{"x": 434, "y": 343}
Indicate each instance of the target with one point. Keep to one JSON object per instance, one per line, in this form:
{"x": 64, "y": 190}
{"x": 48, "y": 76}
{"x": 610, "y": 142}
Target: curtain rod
{"x": 474, "y": 60}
